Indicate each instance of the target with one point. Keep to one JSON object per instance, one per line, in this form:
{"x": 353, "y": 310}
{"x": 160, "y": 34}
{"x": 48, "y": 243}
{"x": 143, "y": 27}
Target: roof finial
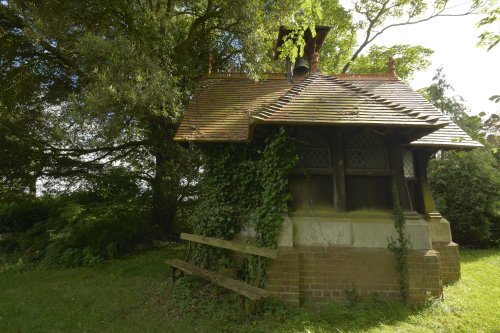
{"x": 209, "y": 68}
{"x": 314, "y": 62}
{"x": 391, "y": 66}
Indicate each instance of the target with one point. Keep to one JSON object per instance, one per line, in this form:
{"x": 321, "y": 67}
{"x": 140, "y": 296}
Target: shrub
{"x": 109, "y": 218}
{"x": 466, "y": 187}
{"x": 21, "y": 215}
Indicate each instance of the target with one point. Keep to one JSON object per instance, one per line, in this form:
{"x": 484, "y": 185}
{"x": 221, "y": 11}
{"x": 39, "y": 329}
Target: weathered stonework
{"x": 341, "y": 257}
{"x": 448, "y": 250}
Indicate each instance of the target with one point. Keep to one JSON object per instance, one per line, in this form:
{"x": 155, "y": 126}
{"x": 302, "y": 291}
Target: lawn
{"x": 135, "y": 294}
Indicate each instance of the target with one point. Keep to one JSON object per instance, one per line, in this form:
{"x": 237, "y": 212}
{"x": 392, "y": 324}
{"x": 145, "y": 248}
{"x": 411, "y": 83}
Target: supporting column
{"x": 439, "y": 227}
{"x": 339, "y": 197}
{"x": 396, "y": 164}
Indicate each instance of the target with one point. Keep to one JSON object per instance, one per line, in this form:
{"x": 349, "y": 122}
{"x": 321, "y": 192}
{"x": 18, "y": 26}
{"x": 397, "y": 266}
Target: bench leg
{"x": 253, "y": 308}
{"x": 173, "y": 274}
{"x": 243, "y": 301}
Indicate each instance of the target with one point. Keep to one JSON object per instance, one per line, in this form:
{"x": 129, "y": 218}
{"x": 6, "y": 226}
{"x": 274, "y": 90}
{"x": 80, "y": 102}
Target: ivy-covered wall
{"x": 244, "y": 185}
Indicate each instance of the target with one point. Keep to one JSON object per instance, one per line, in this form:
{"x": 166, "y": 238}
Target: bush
{"x": 90, "y": 234}
{"x": 466, "y": 187}
{"x": 111, "y": 217}
{"x": 21, "y": 215}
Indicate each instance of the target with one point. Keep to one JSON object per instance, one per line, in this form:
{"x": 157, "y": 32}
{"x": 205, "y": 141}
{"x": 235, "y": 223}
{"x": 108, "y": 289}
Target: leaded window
{"x": 366, "y": 151}
{"x": 312, "y": 150}
{"x": 408, "y": 163}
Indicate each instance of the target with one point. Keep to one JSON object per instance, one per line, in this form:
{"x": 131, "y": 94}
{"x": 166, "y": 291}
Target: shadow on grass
{"x": 336, "y": 317}
{"x": 208, "y": 307}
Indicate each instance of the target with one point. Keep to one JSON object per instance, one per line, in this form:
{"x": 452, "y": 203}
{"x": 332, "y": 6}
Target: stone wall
{"x": 323, "y": 257}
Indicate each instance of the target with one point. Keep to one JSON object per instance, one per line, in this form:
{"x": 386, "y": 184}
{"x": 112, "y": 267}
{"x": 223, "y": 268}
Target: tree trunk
{"x": 32, "y": 187}
{"x": 165, "y": 184}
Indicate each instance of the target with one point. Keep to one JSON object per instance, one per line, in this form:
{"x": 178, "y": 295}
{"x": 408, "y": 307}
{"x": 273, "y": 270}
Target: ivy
{"x": 244, "y": 185}
{"x": 400, "y": 246}
{"x": 278, "y": 159}
{"x": 227, "y": 195}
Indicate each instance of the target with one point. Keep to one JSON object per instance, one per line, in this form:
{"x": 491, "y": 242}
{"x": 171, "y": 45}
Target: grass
{"x": 136, "y": 294}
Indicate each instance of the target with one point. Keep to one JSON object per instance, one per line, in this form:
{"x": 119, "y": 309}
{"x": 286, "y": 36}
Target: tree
{"x": 466, "y": 184}
{"x": 436, "y": 93}
{"x": 489, "y": 39}
{"x": 378, "y": 16}
{"x": 88, "y": 86}
{"x": 466, "y": 188}
{"x": 410, "y": 59}
{"x": 107, "y": 84}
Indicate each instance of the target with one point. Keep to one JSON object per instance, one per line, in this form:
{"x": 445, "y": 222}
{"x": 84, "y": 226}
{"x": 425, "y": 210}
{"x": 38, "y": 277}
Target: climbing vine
{"x": 244, "y": 185}
{"x": 277, "y": 160}
{"x": 400, "y": 246}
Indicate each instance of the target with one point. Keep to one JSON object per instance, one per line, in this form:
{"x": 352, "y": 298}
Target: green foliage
{"x": 465, "y": 184}
{"x": 109, "y": 218}
{"x": 244, "y": 186}
{"x": 134, "y": 295}
{"x": 410, "y": 59}
{"x": 437, "y": 94}
{"x": 400, "y": 246}
{"x": 466, "y": 188}
{"x": 228, "y": 192}
{"x": 490, "y": 39}
{"x": 86, "y": 86}
{"x": 22, "y": 215}
{"x": 278, "y": 159}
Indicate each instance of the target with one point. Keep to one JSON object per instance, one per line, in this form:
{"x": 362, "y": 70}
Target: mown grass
{"x": 136, "y": 294}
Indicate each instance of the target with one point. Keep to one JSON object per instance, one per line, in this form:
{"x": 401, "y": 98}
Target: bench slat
{"x": 225, "y": 244}
{"x": 237, "y": 286}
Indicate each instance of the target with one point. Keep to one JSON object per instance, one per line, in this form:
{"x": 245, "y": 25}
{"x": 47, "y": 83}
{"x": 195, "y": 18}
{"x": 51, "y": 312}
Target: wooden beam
{"x": 225, "y": 244}
{"x": 368, "y": 172}
{"x": 242, "y": 288}
{"x": 339, "y": 196}
{"x": 422, "y": 164}
{"x": 396, "y": 163}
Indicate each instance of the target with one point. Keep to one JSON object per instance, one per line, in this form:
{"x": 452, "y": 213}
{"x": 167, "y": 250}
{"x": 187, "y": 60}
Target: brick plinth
{"x": 449, "y": 261}
{"x": 322, "y": 273}
{"x": 283, "y": 276}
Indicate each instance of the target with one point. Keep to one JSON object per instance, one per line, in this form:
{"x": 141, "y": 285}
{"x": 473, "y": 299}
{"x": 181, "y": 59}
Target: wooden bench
{"x": 244, "y": 289}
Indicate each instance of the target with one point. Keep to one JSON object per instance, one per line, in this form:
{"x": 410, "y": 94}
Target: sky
{"x": 473, "y": 72}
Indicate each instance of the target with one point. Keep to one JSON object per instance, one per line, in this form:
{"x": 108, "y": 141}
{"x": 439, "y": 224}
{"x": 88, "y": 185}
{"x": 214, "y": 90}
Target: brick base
{"x": 449, "y": 258}
{"x": 322, "y": 273}
{"x": 283, "y": 276}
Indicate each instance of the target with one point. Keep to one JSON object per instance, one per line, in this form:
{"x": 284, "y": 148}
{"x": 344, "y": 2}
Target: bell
{"x": 301, "y": 66}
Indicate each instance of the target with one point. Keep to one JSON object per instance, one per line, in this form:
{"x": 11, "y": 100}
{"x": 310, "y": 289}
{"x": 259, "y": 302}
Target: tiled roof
{"x": 450, "y": 136}
{"x": 223, "y": 107}
{"x": 325, "y": 99}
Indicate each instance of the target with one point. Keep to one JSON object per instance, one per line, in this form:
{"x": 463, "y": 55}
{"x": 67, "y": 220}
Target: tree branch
{"x": 384, "y": 9}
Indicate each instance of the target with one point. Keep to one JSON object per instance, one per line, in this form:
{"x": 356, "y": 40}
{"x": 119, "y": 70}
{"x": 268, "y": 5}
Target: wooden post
{"x": 339, "y": 197}
{"x": 423, "y": 158}
{"x": 396, "y": 164}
